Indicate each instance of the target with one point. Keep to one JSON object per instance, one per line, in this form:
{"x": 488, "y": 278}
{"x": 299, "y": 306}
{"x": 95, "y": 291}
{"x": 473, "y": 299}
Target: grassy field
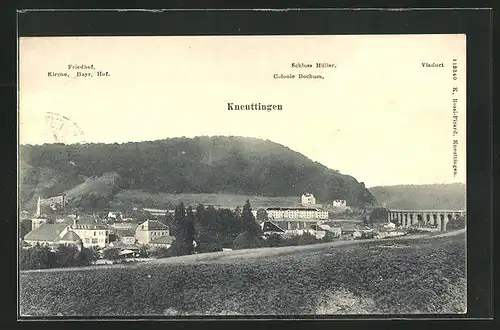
{"x": 218, "y": 200}
{"x": 425, "y": 275}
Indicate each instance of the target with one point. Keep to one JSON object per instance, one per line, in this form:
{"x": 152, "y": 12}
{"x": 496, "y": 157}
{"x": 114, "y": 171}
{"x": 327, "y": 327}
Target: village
{"x": 118, "y": 238}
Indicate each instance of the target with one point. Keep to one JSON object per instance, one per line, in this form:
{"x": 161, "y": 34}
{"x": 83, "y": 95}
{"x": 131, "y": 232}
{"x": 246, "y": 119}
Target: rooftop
{"x": 71, "y": 236}
{"x": 48, "y": 232}
{"x": 295, "y": 208}
{"x": 271, "y": 226}
{"x": 90, "y": 222}
{"x": 153, "y": 225}
{"x": 121, "y": 245}
{"x": 122, "y": 232}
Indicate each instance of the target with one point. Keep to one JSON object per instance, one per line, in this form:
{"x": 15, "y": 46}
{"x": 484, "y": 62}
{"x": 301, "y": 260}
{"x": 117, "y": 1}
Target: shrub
{"x": 161, "y": 252}
{"x": 67, "y": 256}
{"x": 457, "y": 223}
{"x": 38, "y": 257}
{"x": 41, "y": 257}
{"x": 247, "y": 240}
{"x": 291, "y": 241}
{"x": 368, "y": 235}
{"x": 87, "y": 256}
{"x": 179, "y": 248}
{"x": 329, "y": 237}
{"x": 144, "y": 252}
{"x": 274, "y": 240}
{"x": 209, "y": 247}
{"x": 111, "y": 254}
{"x": 307, "y": 239}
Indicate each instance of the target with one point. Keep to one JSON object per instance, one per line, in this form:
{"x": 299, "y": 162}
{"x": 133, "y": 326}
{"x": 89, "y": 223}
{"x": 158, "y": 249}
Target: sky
{"x": 378, "y": 115}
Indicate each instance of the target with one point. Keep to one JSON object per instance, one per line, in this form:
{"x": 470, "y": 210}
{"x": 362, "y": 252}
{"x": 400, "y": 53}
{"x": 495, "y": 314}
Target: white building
{"x": 92, "y": 232}
{"x": 115, "y": 216}
{"x": 150, "y": 230}
{"x": 308, "y": 199}
{"x": 300, "y": 213}
{"x": 319, "y": 234}
{"x": 340, "y": 203}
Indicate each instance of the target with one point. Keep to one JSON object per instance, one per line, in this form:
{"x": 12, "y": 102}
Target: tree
{"x": 67, "y": 256}
{"x": 87, "y": 256}
{"x": 379, "y": 214}
{"x": 113, "y": 237}
{"x": 139, "y": 215}
{"x": 179, "y": 217}
{"x": 262, "y": 215}
{"x": 143, "y": 252}
{"x": 251, "y": 237}
{"x": 307, "y": 239}
{"x": 168, "y": 220}
{"x": 246, "y": 240}
{"x": 208, "y": 237}
{"x": 184, "y": 231}
{"x": 457, "y": 223}
{"x": 111, "y": 254}
{"x": 190, "y": 230}
{"x": 206, "y": 229}
{"x": 248, "y": 220}
{"x": 329, "y": 237}
{"x": 274, "y": 240}
{"x": 199, "y": 219}
{"x": 228, "y": 227}
{"x": 162, "y": 253}
{"x": 237, "y": 216}
{"x": 37, "y": 257}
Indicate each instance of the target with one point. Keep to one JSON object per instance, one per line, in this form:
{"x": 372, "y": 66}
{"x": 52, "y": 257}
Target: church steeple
{"x": 38, "y": 208}
{"x": 37, "y": 220}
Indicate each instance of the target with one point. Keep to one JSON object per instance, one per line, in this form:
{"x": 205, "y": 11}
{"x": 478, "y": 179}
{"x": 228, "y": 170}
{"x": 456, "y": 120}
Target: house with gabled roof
{"x": 270, "y": 227}
{"x": 150, "y": 230}
{"x": 52, "y": 234}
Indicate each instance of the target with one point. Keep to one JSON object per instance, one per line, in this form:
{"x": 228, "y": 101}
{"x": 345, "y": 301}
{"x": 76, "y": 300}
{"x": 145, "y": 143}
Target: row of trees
{"x": 43, "y": 257}
{"x": 212, "y": 229}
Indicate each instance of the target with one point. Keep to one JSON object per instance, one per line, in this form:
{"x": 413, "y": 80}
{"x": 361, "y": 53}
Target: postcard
{"x": 242, "y": 175}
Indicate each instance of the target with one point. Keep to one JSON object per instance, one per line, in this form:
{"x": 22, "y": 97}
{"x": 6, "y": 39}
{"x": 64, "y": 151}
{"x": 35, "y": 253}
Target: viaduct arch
{"x": 439, "y": 218}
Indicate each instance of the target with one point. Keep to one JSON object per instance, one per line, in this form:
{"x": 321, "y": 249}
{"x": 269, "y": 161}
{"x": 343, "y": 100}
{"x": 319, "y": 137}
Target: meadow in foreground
{"x": 398, "y": 277}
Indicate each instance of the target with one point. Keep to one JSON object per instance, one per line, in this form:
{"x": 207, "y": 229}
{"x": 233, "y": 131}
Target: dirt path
{"x": 279, "y": 251}
{"x": 248, "y": 254}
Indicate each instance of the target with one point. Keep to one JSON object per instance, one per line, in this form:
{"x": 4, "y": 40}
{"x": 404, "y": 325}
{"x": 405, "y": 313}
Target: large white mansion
{"x": 308, "y": 199}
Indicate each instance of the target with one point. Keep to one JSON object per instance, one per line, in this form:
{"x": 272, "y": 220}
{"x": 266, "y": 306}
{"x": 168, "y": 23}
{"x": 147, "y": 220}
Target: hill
{"x": 201, "y": 165}
{"x": 418, "y": 197}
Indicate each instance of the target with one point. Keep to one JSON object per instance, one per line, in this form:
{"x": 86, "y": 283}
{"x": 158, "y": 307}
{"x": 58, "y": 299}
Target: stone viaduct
{"x": 439, "y": 218}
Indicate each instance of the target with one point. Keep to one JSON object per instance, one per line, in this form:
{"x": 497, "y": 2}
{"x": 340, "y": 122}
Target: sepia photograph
{"x": 173, "y": 176}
